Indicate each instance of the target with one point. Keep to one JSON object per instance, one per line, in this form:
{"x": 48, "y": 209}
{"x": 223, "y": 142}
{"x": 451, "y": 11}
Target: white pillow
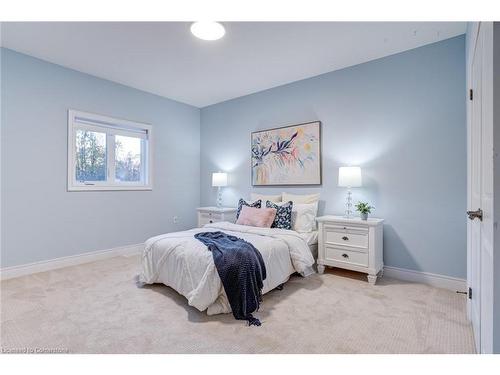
{"x": 300, "y": 199}
{"x": 304, "y": 217}
{"x": 271, "y": 198}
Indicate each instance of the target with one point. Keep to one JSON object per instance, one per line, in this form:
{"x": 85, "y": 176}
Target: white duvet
{"x": 183, "y": 263}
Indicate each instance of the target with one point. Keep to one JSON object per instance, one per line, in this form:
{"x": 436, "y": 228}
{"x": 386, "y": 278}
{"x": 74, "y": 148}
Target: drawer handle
{"x": 211, "y": 221}
{"x": 345, "y": 238}
{"x": 345, "y": 255}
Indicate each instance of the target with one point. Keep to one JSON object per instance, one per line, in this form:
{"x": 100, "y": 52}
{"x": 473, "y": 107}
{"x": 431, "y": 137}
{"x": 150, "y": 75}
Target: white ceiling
{"x": 165, "y": 59}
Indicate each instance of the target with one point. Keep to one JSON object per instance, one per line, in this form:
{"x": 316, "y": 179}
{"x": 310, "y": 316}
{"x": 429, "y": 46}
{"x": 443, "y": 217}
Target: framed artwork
{"x": 290, "y": 155}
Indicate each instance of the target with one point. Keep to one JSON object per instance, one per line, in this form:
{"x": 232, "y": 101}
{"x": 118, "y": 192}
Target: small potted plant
{"x": 364, "y": 209}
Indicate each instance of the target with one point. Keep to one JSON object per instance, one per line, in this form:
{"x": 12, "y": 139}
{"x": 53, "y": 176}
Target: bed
{"x": 183, "y": 263}
{"x": 311, "y": 238}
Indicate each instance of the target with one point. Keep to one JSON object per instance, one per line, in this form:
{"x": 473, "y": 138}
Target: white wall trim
{"x": 73, "y": 260}
{"x": 439, "y": 281}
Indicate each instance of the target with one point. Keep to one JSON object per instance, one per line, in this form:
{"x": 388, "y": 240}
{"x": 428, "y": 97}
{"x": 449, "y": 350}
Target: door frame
{"x": 471, "y": 42}
{"x": 471, "y": 48}
{"x": 475, "y": 185}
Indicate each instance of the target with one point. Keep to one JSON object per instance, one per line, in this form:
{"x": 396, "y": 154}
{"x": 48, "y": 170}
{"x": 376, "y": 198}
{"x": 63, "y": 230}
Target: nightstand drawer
{"x": 210, "y": 216}
{"x": 349, "y": 238}
{"x": 346, "y": 228}
{"x": 346, "y": 256}
{"x": 202, "y": 222}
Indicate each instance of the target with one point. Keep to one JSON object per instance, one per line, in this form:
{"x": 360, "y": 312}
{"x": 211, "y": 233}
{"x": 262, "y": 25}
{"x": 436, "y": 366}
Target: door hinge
{"x": 470, "y": 293}
{"x": 471, "y": 94}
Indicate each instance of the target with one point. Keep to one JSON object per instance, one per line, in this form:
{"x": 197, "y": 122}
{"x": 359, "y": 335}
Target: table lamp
{"x": 219, "y": 180}
{"x": 349, "y": 177}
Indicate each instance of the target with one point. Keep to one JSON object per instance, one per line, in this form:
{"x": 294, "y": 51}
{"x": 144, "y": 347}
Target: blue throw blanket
{"x": 241, "y": 270}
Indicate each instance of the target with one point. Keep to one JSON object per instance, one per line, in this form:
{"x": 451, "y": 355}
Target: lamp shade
{"x": 219, "y": 179}
{"x": 349, "y": 176}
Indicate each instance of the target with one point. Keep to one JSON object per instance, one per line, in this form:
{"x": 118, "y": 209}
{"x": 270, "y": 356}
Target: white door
{"x": 475, "y": 193}
{"x": 481, "y": 190}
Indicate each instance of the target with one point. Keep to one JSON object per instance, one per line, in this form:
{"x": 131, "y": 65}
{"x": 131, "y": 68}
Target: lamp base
{"x": 219, "y": 197}
{"x": 348, "y": 205}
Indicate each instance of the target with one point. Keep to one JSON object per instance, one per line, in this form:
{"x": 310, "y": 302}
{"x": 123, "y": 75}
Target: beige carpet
{"x": 97, "y": 308}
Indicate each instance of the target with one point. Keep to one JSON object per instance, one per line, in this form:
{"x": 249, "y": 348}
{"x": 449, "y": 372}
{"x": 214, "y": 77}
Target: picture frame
{"x": 287, "y": 156}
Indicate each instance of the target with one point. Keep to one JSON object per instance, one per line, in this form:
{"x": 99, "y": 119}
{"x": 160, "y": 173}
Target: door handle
{"x": 478, "y": 214}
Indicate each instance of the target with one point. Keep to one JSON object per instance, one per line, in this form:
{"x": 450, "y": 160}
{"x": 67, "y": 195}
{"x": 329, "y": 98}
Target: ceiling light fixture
{"x": 208, "y": 30}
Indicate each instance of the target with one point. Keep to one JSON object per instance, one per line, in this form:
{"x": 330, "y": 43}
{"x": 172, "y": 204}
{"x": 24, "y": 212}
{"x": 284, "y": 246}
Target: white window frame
{"x": 111, "y": 126}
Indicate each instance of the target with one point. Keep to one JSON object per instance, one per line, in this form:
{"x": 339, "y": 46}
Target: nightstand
{"x": 352, "y": 244}
{"x": 207, "y": 215}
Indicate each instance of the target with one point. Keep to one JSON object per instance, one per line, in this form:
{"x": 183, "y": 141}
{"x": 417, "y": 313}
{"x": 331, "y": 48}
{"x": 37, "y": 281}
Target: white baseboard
{"x": 439, "y": 281}
{"x": 73, "y": 260}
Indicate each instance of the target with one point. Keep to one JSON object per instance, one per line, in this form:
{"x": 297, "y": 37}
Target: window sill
{"x": 108, "y": 188}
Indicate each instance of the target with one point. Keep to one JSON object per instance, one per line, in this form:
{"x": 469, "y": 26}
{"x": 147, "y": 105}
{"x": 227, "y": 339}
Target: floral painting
{"x": 287, "y": 156}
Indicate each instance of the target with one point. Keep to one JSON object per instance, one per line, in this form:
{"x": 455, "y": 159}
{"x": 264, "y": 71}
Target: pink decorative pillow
{"x": 256, "y": 217}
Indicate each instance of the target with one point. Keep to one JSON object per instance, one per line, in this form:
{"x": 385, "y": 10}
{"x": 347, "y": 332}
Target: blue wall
{"x": 401, "y": 118}
{"x": 40, "y": 219}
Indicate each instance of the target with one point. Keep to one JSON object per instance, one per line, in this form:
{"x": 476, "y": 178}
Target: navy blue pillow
{"x": 283, "y": 219}
{"x": 242, "y": 203}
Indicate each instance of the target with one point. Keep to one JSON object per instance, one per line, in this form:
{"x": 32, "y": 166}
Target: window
{"x": 105, "y": 153}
